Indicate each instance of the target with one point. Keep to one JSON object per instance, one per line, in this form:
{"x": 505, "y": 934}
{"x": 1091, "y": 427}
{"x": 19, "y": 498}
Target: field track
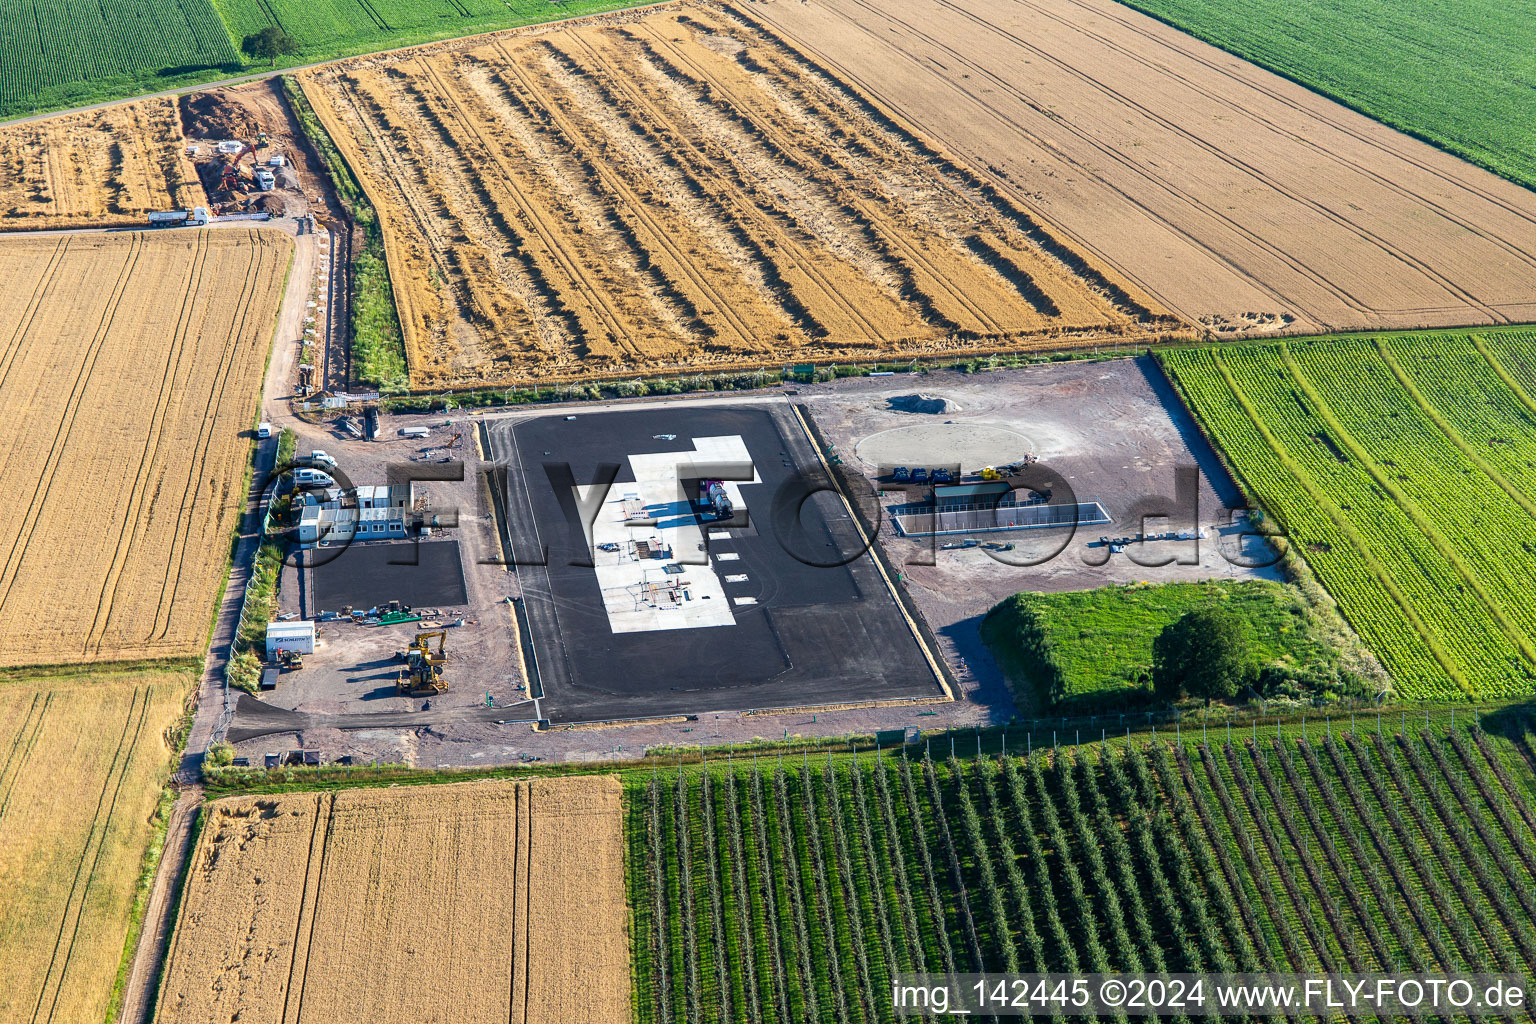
{"x": 486, "y": 901}
{"x": 81, "y": 763}
{"x": 1234, "y": 197}
{"x": 674, "y": 191}
{"x": 129, "y": 366}
{"x": 95, "y": 169}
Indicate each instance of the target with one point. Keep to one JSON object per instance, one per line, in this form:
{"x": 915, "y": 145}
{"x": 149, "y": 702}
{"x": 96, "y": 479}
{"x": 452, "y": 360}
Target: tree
{"x": 1206, "y": 653}
{"x": 270, "y": 43}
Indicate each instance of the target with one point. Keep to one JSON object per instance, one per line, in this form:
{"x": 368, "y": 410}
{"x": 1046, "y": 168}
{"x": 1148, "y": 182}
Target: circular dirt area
{"x": 972, "y": 445}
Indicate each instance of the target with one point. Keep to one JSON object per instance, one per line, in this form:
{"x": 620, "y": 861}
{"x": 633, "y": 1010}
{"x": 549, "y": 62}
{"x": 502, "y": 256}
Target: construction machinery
{"x": 230, "y": 180}
{"x": 422, "y": 673}
{"x": 718, "y": 498}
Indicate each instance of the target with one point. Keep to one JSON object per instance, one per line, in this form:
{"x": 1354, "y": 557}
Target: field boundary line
{"x": 1232, "y": 160}
{"x": 890, "y": 110}
{"x": 1317, "y": 115}
{"x": 363, "y": 54}
{"x": 1116, "y": 156}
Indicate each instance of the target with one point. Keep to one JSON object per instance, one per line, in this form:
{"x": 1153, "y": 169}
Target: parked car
{"x": 311, "y": 479}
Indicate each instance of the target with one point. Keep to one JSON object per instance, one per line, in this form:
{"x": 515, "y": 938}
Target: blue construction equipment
{"x": 719, "y": 500}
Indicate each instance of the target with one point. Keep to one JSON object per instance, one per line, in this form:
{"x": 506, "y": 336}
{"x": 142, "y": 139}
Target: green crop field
{"x": 61, "y": 53}
{"x": 332, "y": 28}
{"x": 1403, "y": 468}
{"x": 1461, "y": 75}
{"x": 793, "y": 893}
{"x": 1091, "y": 650}
{"x": 57, "y": 52}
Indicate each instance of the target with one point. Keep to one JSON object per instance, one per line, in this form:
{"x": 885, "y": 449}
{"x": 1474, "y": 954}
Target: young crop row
{"x": 1407, "y": 495}
{"x": 796, "y": 892}
{"x": 46, "y": 45}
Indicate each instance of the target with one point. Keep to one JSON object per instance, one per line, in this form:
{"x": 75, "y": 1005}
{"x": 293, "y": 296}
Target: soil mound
{"x": 211, "y": 115}
{"x": 922, "y": 403}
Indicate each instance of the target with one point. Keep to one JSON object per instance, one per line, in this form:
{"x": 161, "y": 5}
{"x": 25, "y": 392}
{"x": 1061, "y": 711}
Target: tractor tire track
{"x": 150, "y": 449}
{"x": 218, "y": 400}
{"x": 117, "y": 768}
{"x": 37, "y": 502}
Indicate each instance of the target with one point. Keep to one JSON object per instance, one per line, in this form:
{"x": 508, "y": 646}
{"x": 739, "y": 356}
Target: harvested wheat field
{"x": 82, "y": 763}
{"x": 1234, "y": 197}
{"x": 674, "y": 190}
{"x": 129, "y": 371}
{"x": 101, "y": 167}
{"x": 482, "y": 901}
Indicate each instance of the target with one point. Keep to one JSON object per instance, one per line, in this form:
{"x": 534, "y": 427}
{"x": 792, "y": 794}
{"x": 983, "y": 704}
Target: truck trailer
{"x": 195, "y": 217}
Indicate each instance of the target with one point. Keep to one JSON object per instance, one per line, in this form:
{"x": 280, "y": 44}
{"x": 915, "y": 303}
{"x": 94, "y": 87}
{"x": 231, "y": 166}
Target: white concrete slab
{"x": 654, "y": 514}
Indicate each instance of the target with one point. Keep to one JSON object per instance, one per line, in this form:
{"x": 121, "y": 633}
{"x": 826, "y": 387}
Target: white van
{"x": 263, "y": 429}
{"x": 310, "y": 479}
{"x": 321, "y": 457}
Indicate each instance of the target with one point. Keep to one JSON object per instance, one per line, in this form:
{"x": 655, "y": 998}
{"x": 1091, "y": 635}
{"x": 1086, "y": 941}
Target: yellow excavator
{"x": 422, "y": 674}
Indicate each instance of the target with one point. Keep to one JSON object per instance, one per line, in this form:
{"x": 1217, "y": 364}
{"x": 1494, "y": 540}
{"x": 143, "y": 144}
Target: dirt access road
{"x": 212, "y": 711}
{"x": 1233, "y": 196}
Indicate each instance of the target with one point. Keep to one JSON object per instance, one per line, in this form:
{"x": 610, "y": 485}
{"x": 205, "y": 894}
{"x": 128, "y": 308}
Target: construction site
{"x": 389, "y": 628}
{"x": 719, "y": 565}
{"x": 707, "y": 547}
{"x": 1062, "y": 476}
{"x": 712, "y": 558}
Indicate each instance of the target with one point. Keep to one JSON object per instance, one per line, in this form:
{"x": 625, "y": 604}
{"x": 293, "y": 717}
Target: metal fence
{"x": 935, "y": 521}
{"x": 221, "y": 727}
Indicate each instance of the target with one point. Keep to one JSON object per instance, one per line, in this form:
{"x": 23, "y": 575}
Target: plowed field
{"x": 129, "y": 369}
{"x": 81, "y": 765}
{"x": 486, "y": 901}
{"x": 109, "y": 166}
{"x": 1231, "y": 195}
{"x": 679, "y": 191}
